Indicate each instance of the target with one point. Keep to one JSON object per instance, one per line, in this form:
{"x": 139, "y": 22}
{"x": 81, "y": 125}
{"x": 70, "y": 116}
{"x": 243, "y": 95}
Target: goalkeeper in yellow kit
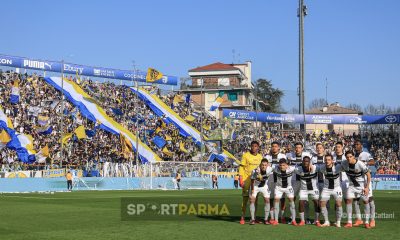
{"x": 250, "y": 161}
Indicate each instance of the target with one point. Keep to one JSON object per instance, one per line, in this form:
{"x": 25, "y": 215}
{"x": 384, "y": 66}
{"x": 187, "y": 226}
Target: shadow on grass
{"x": 220, "y": 218}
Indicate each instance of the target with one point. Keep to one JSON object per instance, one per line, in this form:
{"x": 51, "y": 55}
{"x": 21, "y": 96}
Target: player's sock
{"x": 357, "y": 210}
{"x": 282, "y": 213}
{"x": 372, "y": 205}
{"x": 272, "y": 212}
{"x": 276, "y": 210}
{"x": 349, "y": 209}
{"x": 307, "y": 210}
{"x": 244, "y": 205}
{"x": 267, "y": 208}
{"x": 302, "y": 216}
{"x": 324, "y": 212}
{"x": 293, "y": 211}
{"x": 252, "y": 210}
{"x": 367, "y": 210}
{"x": 317, "y": 215}
{"x": 339, "y": 213}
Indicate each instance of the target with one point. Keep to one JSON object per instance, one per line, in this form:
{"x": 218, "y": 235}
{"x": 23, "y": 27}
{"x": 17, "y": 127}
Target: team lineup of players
{"x": 303, "y": 175}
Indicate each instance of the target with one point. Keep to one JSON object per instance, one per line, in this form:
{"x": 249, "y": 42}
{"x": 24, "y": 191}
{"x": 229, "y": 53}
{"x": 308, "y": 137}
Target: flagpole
{"x": 62, "y": 111}
{"x": 137, "y": 116}
{"x": 201, "y": 120}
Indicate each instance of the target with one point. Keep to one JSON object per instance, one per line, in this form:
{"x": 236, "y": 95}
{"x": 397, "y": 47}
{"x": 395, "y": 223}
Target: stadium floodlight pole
{"x": 301, "y": 12}
{"x": 62, "y": 113}
{"x": 256, "y": 98}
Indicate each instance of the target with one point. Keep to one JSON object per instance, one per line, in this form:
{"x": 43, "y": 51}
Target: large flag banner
{"x": 216, "y": 103}
{"x": 185, "y": 129}
{"x": 153, "y": 75}
{"x": 90, "y": 110}
{"x": 23, "y": 145}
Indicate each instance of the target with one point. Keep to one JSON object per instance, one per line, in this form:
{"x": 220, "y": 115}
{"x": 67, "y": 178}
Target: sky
{"x": 353, "y": 44}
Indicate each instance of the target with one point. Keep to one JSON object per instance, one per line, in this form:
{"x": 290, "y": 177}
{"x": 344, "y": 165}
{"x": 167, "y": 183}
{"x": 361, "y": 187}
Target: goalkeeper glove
{"x": 241, "y": 183}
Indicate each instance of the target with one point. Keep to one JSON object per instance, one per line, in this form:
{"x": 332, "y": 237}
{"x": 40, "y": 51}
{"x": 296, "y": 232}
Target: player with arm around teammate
{"x": 308, "y": 187}
{"x": 273, "y": 158}
{"x": 283, "y": 185}
{"x": 365, "y": 157}
{"x": 296, "y": 159}
{"x": 357, "y": 172}
{"x": 259, "y": 179}
{"x": 332, "y": 187}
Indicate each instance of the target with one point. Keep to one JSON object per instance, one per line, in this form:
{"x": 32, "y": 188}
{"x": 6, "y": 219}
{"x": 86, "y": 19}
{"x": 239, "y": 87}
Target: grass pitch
{"x": 97, "y": 215}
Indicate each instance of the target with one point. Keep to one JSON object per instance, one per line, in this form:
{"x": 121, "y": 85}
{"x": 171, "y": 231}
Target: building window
{"x": 223, "y": 81}
{"x": 233, "y": 96}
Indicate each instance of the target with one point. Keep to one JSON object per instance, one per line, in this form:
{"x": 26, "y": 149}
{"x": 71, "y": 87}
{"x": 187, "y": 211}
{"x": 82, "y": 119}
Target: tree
{"x": 317, "y": 103}
{"x": 267, "y": 97}
{"x": 355, "y": 107}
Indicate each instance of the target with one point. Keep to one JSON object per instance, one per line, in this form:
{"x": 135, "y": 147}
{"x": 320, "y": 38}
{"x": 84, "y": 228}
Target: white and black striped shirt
{"x": 284, "y": 178}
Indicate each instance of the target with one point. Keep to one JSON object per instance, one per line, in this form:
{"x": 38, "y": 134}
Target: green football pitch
{"x": 97, "y": 215}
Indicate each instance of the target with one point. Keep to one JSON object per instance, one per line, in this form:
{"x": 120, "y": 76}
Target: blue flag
{"x": 159, "y": 141}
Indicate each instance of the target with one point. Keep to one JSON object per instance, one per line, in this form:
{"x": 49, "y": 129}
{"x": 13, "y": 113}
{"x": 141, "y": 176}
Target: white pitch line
{"x": 83, "y": 197}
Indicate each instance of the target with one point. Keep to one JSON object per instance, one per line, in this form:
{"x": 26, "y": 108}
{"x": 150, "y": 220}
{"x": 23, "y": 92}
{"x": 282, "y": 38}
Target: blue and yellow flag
{"x": 14, "y": 97}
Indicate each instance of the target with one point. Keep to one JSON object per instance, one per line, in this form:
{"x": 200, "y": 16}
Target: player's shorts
{"x": 279, "y": 191}
{"x": 303, "y": 194}
{"x": 355, "y": 192}
{"x": 264, "y": 190}
{"x": 246, "y": 187}
{"x": 336, "y": 193}
{"x": 296, "y": 186}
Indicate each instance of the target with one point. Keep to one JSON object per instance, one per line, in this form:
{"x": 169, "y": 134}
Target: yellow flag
{"x": 158, "y": 130}
{"x": 4, "y": 137}
{"x": 178, "y": 99}
{"x": 182, "y": 147}
{"x": 189, "y": 118}
{"x": 168, "y": 138}
{"x": 9, "y": 123}
{"x": 153, "y": 75}
{"x": 126, "y": 144}
{"x": 206, "y": 127}
{"x": 166, "y": 151}
{"x": 45, "y": 151}
{"x": 16, "y": 83}
{"x": 66, "y": 137}
{"x": 80, "y": 132}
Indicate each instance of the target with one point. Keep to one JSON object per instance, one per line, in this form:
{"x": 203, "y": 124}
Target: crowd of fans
{"x": 38, "y": 100}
